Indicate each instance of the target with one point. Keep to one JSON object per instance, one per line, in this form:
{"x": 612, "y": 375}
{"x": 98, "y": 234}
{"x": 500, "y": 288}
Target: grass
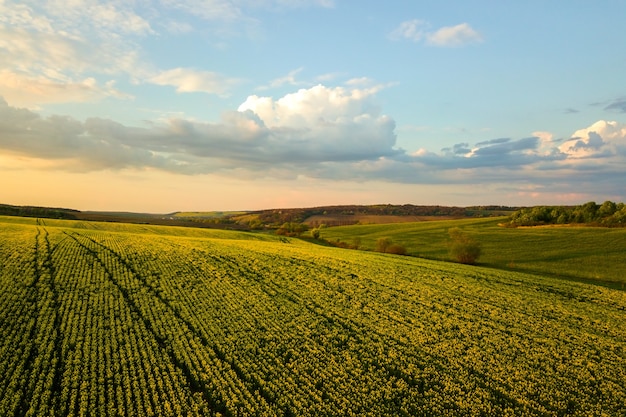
{"x": 581, "y": 253}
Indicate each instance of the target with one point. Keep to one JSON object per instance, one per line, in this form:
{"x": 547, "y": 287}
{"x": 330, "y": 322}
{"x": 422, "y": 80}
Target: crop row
{"x": 114, "y": 323}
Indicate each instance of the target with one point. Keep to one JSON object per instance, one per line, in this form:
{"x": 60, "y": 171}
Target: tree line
{"x": 607, "y": 214}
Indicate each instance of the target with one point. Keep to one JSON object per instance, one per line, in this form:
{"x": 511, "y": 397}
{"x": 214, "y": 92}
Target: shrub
{"x": 386, "y": 245}
{"x": 463, "y": 248}
{"x": 396, "y": 249}
{"x": 382, "y": 243}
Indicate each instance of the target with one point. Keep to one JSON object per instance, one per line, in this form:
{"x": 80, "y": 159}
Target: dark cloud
{"x": 618, "y": 105}
{"x": 493, "y": 142}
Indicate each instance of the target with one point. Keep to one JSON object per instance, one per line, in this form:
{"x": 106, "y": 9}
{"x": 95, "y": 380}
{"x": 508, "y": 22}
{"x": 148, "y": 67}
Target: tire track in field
{"x": 196, "y": 385}
{"x": 249, "y": 382}
{"x": 58, "y": 336}
{"x": 349, "y": 326}
{"x": 33, "y": 351}
{"x": 357, "y": 330}
{"x": 44, "y": 272}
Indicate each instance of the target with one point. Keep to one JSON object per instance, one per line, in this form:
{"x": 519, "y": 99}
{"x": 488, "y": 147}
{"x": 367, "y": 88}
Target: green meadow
{"x": 581, "y": 253}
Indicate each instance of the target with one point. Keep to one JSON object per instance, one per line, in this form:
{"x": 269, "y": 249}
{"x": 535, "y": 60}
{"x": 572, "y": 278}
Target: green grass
{"x": 584, "y": 253}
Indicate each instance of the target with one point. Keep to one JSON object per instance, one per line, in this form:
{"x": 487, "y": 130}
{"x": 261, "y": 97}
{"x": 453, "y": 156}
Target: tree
{"x": 463, "y": 248}
{"x": 292, "y": 229}
{"x": 382, "y": 243}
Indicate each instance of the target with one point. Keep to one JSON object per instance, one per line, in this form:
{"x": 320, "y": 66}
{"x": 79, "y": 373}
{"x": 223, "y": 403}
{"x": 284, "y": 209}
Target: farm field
{"x": 593, "y": 254}
{"x": 114, "y": 319}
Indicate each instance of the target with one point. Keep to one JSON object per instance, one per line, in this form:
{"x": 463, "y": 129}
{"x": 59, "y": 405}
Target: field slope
{"x": 111, "y": 319}
{"x": 593, "y": 254}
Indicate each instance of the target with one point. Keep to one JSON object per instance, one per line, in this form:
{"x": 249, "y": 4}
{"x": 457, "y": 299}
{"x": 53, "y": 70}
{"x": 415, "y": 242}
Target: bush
{"x": 463, "y": 248}
{"x": 386, "y": 245}
{"x": 396, "y": 249}
{"x": 382, "y": 244}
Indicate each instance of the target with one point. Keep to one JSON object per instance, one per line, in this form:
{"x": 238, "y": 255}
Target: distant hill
{"x": 271, "y": 218}
{"x": 352, "y": 214}
{"x": 34, "y": 211}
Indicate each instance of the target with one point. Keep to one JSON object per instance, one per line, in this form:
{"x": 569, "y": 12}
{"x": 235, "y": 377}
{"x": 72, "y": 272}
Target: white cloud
{"x": 448, "y": 36}
{"x": 289, "y": 79}
{"x": 317, "y": 105}
{"x": 188, "y": 80}
{"x": 23, "y": 91}
{"x": 211, "y": 10}
{"x": 602, "y": 139}
{"x": 458, "y": 35}
{"x": 61, "y": 51}
{"x": 68, "y": 50}
{"x": 414, "y": 30}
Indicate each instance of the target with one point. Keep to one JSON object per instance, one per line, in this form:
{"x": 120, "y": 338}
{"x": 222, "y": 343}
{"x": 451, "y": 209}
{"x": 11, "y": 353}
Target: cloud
{"x": 22, "y": 90}
{"x": 618, "y": 105}
{"x": 70, "y": 51}
{"x": 311, "y": 126}
{"x": 448, "y": 36}
{"x": 458, "y": 35}
{"x": 222, "y": 14}
{"x": 67, "y": 51}
{"x": 189, "y": 80}
{"x": 289, "y": 79}
{"x": 329, "y": 133}
{"x": 210, "y": 10}
{"x": 600, "y": 140}
{"x": 414, "y": 30}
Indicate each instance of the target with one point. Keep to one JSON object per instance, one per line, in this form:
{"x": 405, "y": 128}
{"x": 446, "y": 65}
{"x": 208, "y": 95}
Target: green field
{"x": 113, "y": 319}
{"x": 594, "y": 254}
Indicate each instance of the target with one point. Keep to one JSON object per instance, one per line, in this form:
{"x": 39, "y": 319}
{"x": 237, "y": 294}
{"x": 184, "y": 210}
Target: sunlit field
{"x": 131, "y": 320}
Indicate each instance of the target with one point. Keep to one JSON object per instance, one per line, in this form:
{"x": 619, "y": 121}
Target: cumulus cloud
{"x": 335, "y": 133}
{"x": 312, "y": 126}
{"x": 602, "y": 139}
{"x": 448, "y": 36}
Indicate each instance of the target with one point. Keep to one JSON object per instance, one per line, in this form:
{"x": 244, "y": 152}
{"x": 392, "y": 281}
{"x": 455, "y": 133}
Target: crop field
{"x": 593, "y": 254}
{"x": 136, "y": 320}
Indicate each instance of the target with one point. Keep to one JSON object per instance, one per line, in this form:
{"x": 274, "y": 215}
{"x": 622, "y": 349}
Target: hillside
{"x": 592, "y": 254}
{"x": 120, "y": 319}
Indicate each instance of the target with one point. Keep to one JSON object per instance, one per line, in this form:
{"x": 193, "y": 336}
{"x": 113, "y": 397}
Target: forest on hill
{"x": 298, "y": 215}
{"x": 34, "y": 211}
{"x": 607, "y": 214}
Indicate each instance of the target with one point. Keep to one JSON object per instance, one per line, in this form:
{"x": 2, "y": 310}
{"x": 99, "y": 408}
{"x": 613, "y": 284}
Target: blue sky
{"x": 171, "y": 105}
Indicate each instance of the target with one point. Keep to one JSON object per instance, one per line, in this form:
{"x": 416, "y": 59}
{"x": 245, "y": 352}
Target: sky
{"x": 197, "y": 105}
